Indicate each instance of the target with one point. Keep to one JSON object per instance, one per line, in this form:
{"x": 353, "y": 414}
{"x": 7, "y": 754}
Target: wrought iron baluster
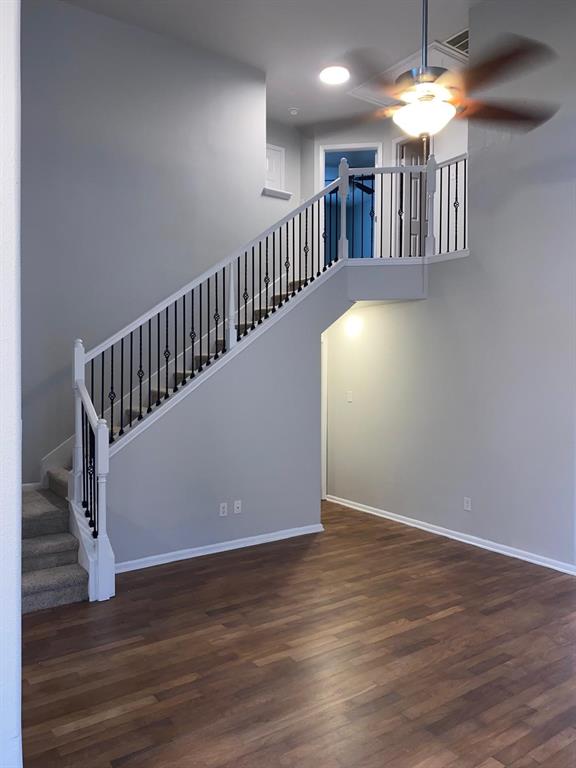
{"x": 293, "y": 256}
{"x": 280, "y": 266}
{"x": 111, "y": 394}
{"x": 260, "y": 291}
{"x": 312, "y": 249}
{"x": 140, "y": 374}
{"x": 324, "y": 238}
{"x": 166, "y": 354}
{"x": 102, "y": 362}
{"x": 201, "y": 359}
{"x": 84, "y": 460}
{"x": 287, "y": 263}
{"x": 352, "y": 245}
{"x": 306, "y": 248}
{"x": 175, "y": 385}
{"x": 192, "y": 335}
{"x": 448, "y": 209}
{"x": 158, "y": 363}
{"x": 121, "y": 432}
{"x": 299, "y": 252}
{"x": 184, "y": 373}
{"x": 224, "y": 309}
{"x": 149, "y": 366}
{"x": 391, "y": 218}
{"x": 336, "y": 222}
{"x": 238, "y": 299}
{"x": 318, "y": 248}
{"x": 130, "y": 397}
{"x": 465, "y": 187}
{"x": 273, "y": 274}
{"x": 456, "y": 206}
{"x": 216, "y": 316}
{"x": 253, "y": 324}
{"x": 266, "y": 279}
{"x": 208, "y": 352}
{"x": 246, "y": 295}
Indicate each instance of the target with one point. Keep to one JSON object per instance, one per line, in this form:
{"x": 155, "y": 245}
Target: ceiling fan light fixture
{"x": 424, "y": 117}
{"x": 335, "y": 75}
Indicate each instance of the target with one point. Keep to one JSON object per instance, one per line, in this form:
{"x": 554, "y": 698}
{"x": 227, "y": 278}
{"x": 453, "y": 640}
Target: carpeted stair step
{"x": 58, "y": 481}
{"x": 43, "y": 514}
{"x": 50, "y": 587}
{"x": 49, "y": 551}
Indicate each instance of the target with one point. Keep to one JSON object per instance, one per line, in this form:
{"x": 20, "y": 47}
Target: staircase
{"x": 132, "y": 379}
{"x": 51, "y": 574}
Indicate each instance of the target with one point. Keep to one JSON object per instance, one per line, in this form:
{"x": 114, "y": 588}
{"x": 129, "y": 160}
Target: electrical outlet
{"x": 224, "y": 509}
{"x": 467, "y": 504}
{"x": 238, "y": 506}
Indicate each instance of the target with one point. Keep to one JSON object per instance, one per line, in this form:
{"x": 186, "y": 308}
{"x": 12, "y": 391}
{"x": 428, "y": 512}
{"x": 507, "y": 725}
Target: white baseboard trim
{"x": 211, "y": 549}
{"x": 465, "y": 538}
{"x": 31, "y": 486}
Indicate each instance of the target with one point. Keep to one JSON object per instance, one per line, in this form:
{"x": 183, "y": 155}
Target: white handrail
{"x": 387, "y": 169}
{"x": 88, "y": 405}
{"x": 457, "y": 159}
{"x": 205, "y": 275}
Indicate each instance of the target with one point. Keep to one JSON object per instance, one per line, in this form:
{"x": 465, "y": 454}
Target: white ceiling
{"x": 291, "y": 40}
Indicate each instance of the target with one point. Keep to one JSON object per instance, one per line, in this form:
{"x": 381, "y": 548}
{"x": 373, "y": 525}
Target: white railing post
{"x": 343, "y": 173}
{"x": 78, "y": 374}
{"x": 231, "y": 329}
{"x": 430, "y": 242}
{"x": 105, "y": 564}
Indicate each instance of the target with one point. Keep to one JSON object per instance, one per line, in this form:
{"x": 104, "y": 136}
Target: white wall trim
{"x": 211, "y": 549}
{"x": 465, "y": 538}
{"x": 32, "y": 486}
{"x": 281, "y": 194}
{"x": 10, "y": 390}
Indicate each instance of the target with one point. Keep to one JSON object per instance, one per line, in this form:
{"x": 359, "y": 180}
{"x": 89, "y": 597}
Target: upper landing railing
{"x": 402, "y": 212}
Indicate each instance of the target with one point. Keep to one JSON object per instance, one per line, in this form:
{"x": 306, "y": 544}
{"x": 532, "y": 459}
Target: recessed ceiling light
{"x": 293, "y": 111}
{"x": 335, "y": 75}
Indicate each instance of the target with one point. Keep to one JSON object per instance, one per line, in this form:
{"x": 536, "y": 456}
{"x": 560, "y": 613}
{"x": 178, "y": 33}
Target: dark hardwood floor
{"x": 372, "y": 645}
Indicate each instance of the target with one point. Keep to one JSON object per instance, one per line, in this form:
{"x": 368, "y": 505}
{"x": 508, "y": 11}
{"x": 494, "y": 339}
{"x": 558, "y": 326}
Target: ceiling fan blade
{"x": 519, "y": 116}
{"x": 345, "y": 123}
{"x": 512, "y": 55}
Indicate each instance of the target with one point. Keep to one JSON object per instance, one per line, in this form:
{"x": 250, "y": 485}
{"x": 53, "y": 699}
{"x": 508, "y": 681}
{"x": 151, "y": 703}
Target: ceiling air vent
{"x": 460, "y": 41}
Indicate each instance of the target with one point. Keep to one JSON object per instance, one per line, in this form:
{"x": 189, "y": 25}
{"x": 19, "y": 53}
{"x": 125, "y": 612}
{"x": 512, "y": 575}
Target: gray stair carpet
{"x": 51, "y": 573}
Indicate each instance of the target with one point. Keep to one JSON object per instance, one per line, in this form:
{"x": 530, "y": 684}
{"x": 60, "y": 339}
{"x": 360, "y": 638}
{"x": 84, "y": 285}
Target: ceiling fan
{"x": 427, "y": 98}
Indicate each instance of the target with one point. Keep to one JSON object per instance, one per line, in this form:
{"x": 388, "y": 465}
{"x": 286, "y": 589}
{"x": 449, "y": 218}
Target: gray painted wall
{"x": 250, "y": 432}
{"x": 471, "y": 393}
{"x": 142, "y": 164}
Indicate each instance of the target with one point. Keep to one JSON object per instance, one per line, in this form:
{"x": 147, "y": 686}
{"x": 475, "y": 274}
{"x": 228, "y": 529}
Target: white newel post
{"x": 343, "y": 171}
{"x": 231, "y": 330}
{"x": 78, "y": 373}
{"x": 430, "y": 244}
{"x": 106, "y": 581}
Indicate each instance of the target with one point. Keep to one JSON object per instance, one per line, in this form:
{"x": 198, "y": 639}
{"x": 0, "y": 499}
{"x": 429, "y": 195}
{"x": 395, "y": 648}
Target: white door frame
{"x": 352, "y": 147}
{"x": 10, "y": 388}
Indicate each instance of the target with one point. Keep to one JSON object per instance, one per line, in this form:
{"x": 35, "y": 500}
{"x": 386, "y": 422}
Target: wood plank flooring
{"x": 372, "y": 645}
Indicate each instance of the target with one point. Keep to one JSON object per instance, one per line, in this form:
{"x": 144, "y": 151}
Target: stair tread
{"x": 59, "y": 473}
{"x": 48, "y": 544}
{"x": 42, "y": 503}
{"x": 53, "y": 579}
